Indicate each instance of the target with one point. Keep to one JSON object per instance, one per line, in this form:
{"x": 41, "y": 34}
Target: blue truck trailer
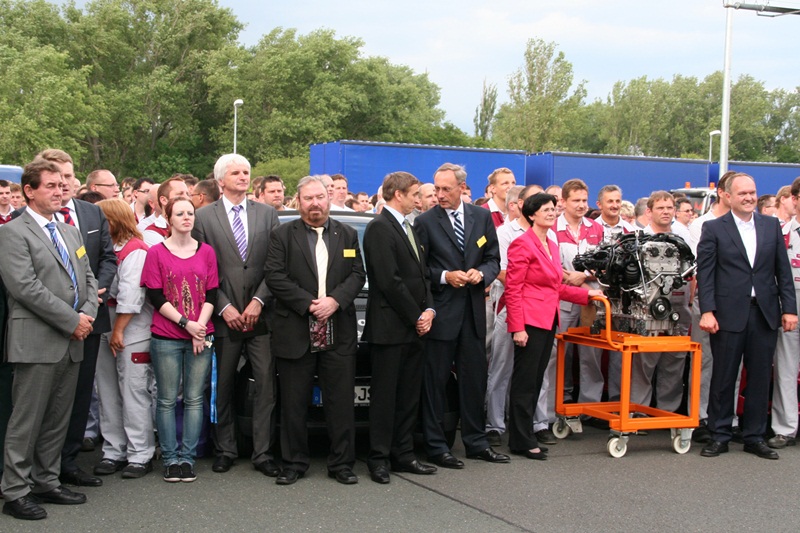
{"x": 10, "y": 173}
{"x": 365, "y": 163}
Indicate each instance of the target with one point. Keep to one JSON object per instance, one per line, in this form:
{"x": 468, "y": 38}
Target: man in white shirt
{"x": 339, "y": 193}
{"x": 684, "y": 213}
{"x": 157, "y": 230}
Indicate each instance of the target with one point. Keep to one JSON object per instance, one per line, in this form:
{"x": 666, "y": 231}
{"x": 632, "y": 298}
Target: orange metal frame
{"x": 618, "y": 413}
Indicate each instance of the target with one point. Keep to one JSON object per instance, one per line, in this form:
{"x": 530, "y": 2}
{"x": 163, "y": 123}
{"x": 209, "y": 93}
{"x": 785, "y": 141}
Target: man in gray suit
{"x": 239, "y": 231}
{"x": 52, "y": 302}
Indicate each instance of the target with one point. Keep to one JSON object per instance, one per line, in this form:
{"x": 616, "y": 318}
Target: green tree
{"x": 484, "y": 113}
{"x": 542, "y": 102}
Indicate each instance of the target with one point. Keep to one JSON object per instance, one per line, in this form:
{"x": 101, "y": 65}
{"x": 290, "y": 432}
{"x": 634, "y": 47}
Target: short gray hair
{"x": 308, "y": 180}
{"x": 222, "y": 164}
{"x": 513, "y": 193}
{"x": 458, "y": 170}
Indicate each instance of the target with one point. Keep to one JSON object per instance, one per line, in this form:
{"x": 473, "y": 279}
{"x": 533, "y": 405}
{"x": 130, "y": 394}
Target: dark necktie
{"x": 62, "y": 252}
{"x": 67, "y": 216}
{"x": 459, "y": 229}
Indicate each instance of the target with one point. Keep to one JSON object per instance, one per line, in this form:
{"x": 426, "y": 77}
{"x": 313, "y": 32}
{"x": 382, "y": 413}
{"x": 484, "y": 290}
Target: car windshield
{"x": 358, "y": 222}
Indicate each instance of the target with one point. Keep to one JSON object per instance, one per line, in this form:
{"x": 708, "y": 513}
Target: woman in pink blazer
{"x": 533, "y": 291}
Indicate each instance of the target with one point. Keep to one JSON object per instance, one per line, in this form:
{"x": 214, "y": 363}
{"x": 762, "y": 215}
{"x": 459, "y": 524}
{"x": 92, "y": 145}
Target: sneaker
{"x": 545, "y": 436}
{"x": 106, "y": 467}
{"x": 779, "y": 442}
{"x": 493, "y": 437}
{"x": 187, "y": 473}
{"x": 172, "y": 474}
{"x": 137, "y": 470}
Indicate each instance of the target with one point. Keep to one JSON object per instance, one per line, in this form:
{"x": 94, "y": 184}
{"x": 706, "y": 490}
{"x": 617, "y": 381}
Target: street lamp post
{"x": 711, "y": 143}
{"x": 236, "y": 104}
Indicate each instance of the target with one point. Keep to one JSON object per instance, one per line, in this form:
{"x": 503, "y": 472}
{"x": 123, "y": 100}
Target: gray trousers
{"x": 784, "y": 392}
{"x": 42, "y": 395}
{"x": 260, "y": 356}
{"x": 501, "y": 364}
{"x": 123, "y": 387}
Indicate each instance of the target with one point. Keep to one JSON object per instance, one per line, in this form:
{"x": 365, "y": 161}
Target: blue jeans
{"x": 171, "y": 360}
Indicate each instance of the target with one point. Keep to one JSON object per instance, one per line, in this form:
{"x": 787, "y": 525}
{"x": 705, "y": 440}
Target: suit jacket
{"x": 100, "y": 251}
{"x": 239, "y": 281}
{"x": 533, "y": 284}
{"x": 725, "y": 278}
{"x": 399, "y": 289}
{"x": 40, "y": 293}
{"x": 291, "y": 276}
{"x": 481, "y": 251}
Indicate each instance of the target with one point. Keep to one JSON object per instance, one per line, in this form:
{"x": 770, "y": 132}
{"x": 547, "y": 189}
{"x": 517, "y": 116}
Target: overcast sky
{"x": 459, "y": 43}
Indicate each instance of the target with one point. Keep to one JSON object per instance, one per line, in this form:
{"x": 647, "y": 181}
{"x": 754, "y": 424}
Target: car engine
{"x": 638, "y": 274}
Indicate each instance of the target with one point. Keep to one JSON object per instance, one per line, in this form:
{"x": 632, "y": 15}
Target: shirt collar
{"x": 750, "y": 224}
{"x": 395, "y": 213}
{"x": 39, "y": 218}
{"x": 459, "y": 210}
{"x": 230, "y": 205}
{"x": 70, "y": 205}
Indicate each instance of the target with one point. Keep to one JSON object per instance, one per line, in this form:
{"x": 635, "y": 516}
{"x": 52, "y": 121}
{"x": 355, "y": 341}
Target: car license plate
{"x": 360, "y": 395}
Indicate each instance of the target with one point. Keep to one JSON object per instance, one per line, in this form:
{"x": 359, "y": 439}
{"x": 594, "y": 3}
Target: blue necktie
{"x": 51, "y": 227}
{"x": 459, "y": 228}
{"x": 238, "y": 232}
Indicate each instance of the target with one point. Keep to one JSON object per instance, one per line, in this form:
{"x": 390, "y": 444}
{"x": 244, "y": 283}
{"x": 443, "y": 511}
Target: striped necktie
{"x": 459, "y": 229}
{"x": 67, "y": 216}
{"x": 62, "y": 252}
{"x": 238, "y": 232}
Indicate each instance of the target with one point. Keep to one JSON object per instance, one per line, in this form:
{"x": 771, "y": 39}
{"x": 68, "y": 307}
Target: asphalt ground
{"x": 579, "y": 488}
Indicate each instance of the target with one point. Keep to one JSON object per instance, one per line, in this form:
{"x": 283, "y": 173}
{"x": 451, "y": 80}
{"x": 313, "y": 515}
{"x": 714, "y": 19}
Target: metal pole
{"x": 726, "y": 96}
{"x": 235, "y": 120}
{"x": 711, "y": 144}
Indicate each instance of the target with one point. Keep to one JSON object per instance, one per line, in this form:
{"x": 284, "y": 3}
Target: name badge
{"x": 481, "y": 241}
{"x": 349, "y": 252}
{"x": 80, "y": 252}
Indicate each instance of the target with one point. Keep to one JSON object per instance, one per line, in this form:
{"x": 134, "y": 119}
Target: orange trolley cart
{"x": 618, "y": 414}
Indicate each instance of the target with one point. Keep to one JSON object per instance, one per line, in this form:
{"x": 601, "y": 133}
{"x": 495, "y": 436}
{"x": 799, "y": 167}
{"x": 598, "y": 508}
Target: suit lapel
{"x": 334, "y": 242}
{"x": 402, "y": 234}
{"x": 83, "y": 219}
{"x": 225, "y": 224}
{"x": 252, "y": 223}
{"x": 469, "y": 222}
{"x": 444, "y": 221}
{"x": 46, "y": 242}
{"x": 733, "y": 233}
{"x": 301, "y": 240}
{"x": 761, "y": 232}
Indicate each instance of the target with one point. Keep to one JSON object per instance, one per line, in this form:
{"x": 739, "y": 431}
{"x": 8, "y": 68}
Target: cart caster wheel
{"x": 616, "y": 447}
{"x": 680, "y": 446}
{"x": 561, "y": 429}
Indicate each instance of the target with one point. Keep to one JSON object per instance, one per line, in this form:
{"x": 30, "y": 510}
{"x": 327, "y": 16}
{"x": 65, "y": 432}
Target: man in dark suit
{"x": 399, "y": 313}
{"x": 52, "y": 302}
{"x": 239, "y": 229}
{"x": 463, "y": 259}
{"x": 315, "y": 271}
{"x": 93, "y": 226}
{"x": 746, "y": 292}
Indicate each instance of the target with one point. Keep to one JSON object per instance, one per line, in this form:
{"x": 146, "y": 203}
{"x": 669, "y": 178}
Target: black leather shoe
{"x": 288, "y": 476}
{"x": 79, "y": 478}
{"x": 490, "y": 456}
{"x": 269, "y": 468}
{"x": 702, "y": 434}
{"x": 223, "y": 463}
{"x": 761, "y": 449}
{"x": 106, "y": 467}
{"x": 447, "y": 460}
{"x": 345, "y": 476}
{"x": 24, "y": 508}
{"x": 541, "y": 455}
{"x": 414, "y": 467}
{"x": 380, "y": 475}
{"x": 61, "y": 496}
{"x": 736, "y": 435}
{"x": 714, "y": 448}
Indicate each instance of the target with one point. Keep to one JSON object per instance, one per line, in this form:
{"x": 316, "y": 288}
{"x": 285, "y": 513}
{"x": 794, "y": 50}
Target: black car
{"x": 245, "y": 386}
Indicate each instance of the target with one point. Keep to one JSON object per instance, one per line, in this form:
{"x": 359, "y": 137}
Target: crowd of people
{"x": 135, "y": 303}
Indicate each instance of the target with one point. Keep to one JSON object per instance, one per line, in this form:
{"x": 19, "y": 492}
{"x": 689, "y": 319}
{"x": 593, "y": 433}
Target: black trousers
{"x": 394, "y": 402}
{"x": 468, "y": 352}
{"x": 757, "y": 345}
{"x": 81, "y": 405}
{"x": 530, "y": 362}
{"x": 337, "y": 381}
